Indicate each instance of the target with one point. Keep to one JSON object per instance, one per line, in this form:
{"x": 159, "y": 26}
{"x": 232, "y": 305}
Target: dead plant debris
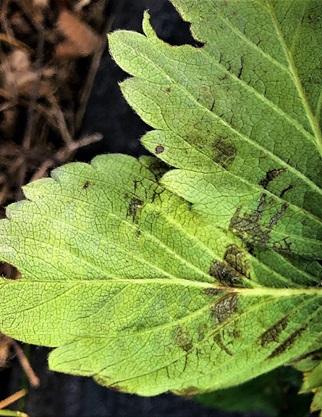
{"x": 49, "y": 55}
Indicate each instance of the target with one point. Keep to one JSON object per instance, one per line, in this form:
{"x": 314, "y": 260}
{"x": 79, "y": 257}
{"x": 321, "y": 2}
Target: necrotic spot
{"x": 272, "y": 334}
{"x": 133, "y": 208}
{"x": 225, "y": 307}
{"x": 288, "y": 343}
{"x": 182, "y": 339}
{"x": 225, "y": 274}
{"x": 224, "y": 152}
{"x": 159, "y": 149}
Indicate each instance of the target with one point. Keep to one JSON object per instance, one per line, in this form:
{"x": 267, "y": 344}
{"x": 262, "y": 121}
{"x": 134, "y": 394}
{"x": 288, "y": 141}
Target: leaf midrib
{"x": 249, "y": 292}
{"x": 183, "y": 260}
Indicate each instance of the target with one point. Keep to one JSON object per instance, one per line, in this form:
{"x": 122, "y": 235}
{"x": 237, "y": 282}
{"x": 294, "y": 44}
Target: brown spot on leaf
{"x": 115, "y": 388}
{"x": 188, "y": 392}
{"x": 289, "y": 342}
{"x": 225, "y": 274}
{"x": 288, "y": 188}
{"x": 183, "y": 339}
{"x": 225, "y": 307}
{"x": 233, "y": 269}
{"x": 212, "y": 292}
{"x": 201, "y": 331}
{"x": 251, "y": 226}
{"x": 224, "y": 152}
{"x": 9, "y": 271}
{"x": 133, "y": 208}
{"x": 270, "y": 176}
{"x": 86, "y": 185}
{"x": 159, "y": 149}
{"x": 237, "y": 259}
{"x": 272, "y": 334}
{"x": 277, "y": 215}
{"x": 218, "y": 340}
{"x": 248, "y": 225}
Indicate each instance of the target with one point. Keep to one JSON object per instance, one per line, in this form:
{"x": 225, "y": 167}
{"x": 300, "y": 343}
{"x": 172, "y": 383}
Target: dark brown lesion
{"x": 201, "y": 331}
{"x": 225, "y": 307}
{"x": 183, "y": 339}
{"x": 159, "y": 149}
{"x": 219, "y": 342}
{"x": 271, "y": 176}
{"x": 251, "y": 227}
{"x": 213, "y": 291}
{"x": 272, "y": 334}
{"x": 224, "y": 152}
{"x": 134, "y": 206}
{"x": 86, "y": 185}
{"x": 225, "y": 274}
{"x": 286, "y": 190}
{"x": 234, "y": 268}
{"x": 187, "y": 392}
{"x": 249, "y": 224}
{"x": 288, "y": 343}
{"x": 236, "y": 257}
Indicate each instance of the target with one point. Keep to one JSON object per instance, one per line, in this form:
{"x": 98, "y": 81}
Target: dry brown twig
{"x": 65, "y": 153}
{"x": 25, "y": 364}
{"x": 13, "y": 398}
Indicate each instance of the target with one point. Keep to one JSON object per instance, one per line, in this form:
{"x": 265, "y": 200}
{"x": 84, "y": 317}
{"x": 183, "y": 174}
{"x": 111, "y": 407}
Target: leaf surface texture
{"x": 201, "y": 276}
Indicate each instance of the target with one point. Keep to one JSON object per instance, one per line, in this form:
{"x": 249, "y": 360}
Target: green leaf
{"x": 311, "y": 366}
{"x": 247, "y": 145}
{"x": 206, "y": 276}
{"x": 134, "y": 288}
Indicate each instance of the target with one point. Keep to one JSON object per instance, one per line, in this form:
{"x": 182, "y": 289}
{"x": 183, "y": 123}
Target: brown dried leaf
{"x": 81, "y": 40}
{"x": 41, "y": 3}
{"x": 17, "y": 72}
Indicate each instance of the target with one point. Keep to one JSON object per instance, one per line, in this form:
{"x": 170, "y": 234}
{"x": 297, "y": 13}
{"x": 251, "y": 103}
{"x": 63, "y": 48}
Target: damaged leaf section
{"x": 217, "y": 112}
{"x": 220, "y": 343}
{"x": 234, "y": 270}
{"x": 183, "y": 339}
{"x": 224, "y": 152}
{"x": 256, "y": 228}
{"x": 272, "y": 334}
{"x": 225, "y": 307}
{"x": 288, "y": 343}
{"x": 271, "y": 176}
{"x": 134, "y": 206}
{"x": 127, "y": 294}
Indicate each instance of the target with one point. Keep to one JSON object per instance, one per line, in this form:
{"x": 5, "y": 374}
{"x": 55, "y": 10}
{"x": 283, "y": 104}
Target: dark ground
{"x": 66, "y": 396}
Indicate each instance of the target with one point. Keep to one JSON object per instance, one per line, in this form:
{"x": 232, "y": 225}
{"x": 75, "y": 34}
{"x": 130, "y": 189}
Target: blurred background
{"x": 60, "y": 101}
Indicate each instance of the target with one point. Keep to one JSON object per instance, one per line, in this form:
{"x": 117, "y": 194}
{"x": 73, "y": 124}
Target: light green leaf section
{"x": 207, "y": 275}
{"x": 132, "y": 287}
{"x": 311, "y": 366}
{"x": 237, "y": 117}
